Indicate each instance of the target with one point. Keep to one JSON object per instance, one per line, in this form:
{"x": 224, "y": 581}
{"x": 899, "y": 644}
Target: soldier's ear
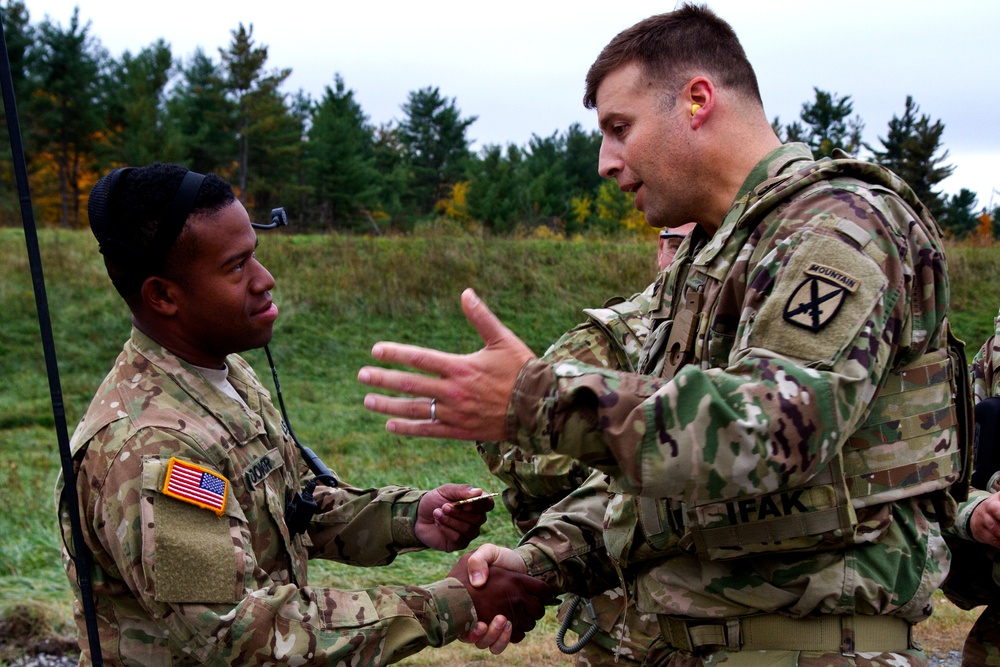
{"x": 699, "y": 94}
{"x": 158, "y": 294}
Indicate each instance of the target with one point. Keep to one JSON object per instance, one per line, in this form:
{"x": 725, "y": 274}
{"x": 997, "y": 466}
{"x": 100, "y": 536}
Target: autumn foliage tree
{"x": 68, "y": 120}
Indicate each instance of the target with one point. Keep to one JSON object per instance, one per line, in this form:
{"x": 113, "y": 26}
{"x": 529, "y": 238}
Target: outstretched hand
{"x": 444, "y": 526}
{"x": 469, "y": 392}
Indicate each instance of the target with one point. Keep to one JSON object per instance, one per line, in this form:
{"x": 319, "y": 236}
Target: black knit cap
{"x": 139, "y": 260}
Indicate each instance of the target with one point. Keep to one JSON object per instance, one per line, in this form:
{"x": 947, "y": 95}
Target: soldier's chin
{"x": 262, "y": 338}
{"x": 654, "y": 218}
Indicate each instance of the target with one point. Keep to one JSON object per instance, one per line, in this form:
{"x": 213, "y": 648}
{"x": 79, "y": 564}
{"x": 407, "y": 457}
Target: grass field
{"x": 337, "y": 295}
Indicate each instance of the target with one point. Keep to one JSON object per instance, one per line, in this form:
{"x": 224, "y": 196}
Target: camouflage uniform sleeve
{"x": 777, "y": 407}
{"x": 981, "y": 372}
{"x": 535, "y": 483}
{"x": 365, "y": 527}
{"x": 973, "y": 578}
{"x": 960, "y": 530}
{"x": 229, "y": 610}
{"x": 566, "y": 547}
{"x": 611, "y": 338}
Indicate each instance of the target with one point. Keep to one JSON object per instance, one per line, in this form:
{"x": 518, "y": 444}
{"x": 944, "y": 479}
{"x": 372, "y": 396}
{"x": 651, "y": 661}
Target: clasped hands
{"x": 497, "y": 580}
{"x": 508, "y": 601}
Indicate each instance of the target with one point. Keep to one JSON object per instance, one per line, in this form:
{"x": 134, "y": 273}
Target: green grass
{"x": 338, "y": 295}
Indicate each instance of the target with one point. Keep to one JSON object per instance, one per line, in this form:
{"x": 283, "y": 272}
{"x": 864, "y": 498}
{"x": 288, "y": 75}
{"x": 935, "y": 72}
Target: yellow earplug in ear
{"x": 694, "y": 108}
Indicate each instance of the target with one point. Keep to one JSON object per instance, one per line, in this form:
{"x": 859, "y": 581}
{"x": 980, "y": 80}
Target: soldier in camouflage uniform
{"x": 779, "y": 465}
{"x": 611, "y": 338}
{"x": 974, "y": 579}
{"x": 185, "y": 468}
{"x": 668, "y": 243}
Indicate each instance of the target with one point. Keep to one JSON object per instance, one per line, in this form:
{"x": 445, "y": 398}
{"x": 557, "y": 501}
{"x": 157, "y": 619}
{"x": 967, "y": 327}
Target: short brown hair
{"x": 674, "y": 47}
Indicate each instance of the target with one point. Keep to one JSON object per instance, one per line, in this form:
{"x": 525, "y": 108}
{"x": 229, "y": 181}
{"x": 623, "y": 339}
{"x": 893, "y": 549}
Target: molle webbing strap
{"x": 663, "y": 310}
{"x": 914, "y": 376}
{"x": 906, "y": 447}
{"x": 844, "y": 634}
{"x": 719, "y": 533}
{"x": 680, "y": 344}
{"x": 909, "y": 440}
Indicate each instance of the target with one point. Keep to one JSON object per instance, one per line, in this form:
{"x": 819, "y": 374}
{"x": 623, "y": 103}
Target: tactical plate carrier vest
{"x": 911, "y": 442}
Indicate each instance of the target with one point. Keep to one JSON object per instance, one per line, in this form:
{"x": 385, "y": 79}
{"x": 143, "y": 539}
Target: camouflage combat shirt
{"x": 769, "y": 400}
{"x": 985, "y": 366}
{"x": 177, "y": 583}
{"x": 975, "y": 579}
{"x": 984, "y": 371}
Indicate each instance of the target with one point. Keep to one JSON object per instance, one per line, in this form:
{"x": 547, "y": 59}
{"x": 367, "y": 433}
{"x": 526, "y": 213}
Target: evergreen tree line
{"x": 911, "y": 148}
{"x": 84, "y": 112}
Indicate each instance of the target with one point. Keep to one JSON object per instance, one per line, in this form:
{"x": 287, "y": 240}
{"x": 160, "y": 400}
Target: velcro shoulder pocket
{"x": 823, "y": 296}
{"x": 192, "y": 552}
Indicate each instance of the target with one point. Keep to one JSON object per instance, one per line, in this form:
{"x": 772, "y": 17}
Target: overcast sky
{"x": 519, "y": 65}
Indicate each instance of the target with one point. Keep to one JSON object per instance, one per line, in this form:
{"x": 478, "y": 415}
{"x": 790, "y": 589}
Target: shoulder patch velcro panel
{"x": 195, "y": 556}
{"x": 194, "y": 552}
{"x": 818, "y": 307}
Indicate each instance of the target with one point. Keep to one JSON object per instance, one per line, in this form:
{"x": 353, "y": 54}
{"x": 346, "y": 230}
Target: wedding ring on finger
{"x": 433, "y": 409}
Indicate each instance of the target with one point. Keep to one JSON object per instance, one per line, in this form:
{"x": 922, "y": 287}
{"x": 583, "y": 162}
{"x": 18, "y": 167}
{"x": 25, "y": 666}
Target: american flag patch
{"x": 196, "y": 485}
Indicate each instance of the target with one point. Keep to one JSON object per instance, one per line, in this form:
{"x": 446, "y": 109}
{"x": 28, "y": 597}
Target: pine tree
{"x": 390, "y": 162}
{"x": 19, "y": 36}
{"x": 793, "y": 132}
{"x": 275, "y": 149}
{"x": 496, "y": 191}
{"x": 254, "y": 91}
{"x": 827, "y": 125}
{"x": 549, "y": 193}
{"x": 958, "y": 214}
{"x": 583, "y": 150}
{"x": 134, "y": 102}
{"x": 342, "y": 170}
{"x": 204, "y": 117}
{"x": 911, "y": 150}
{"x": 435, "y": 145}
